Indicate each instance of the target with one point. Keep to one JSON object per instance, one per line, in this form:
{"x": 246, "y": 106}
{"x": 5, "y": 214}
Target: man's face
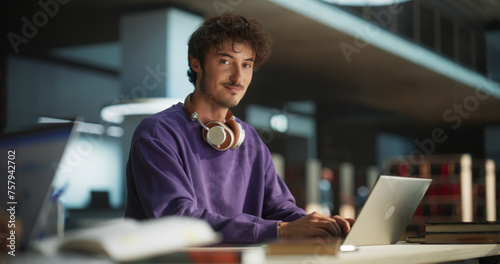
{"x": 226, "y": 75}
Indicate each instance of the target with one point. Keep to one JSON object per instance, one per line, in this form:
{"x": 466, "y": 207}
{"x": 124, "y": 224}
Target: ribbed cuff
{"x": 267, "y": 230}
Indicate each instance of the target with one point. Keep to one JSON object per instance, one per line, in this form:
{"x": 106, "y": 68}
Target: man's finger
{"x": 343, "y": 223}
{"x": 331, "y": 227}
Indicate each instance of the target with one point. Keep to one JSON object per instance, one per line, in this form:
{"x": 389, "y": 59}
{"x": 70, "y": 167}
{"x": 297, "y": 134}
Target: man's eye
{"x": 247, "y": 65}
{"x": 224, "y": 61}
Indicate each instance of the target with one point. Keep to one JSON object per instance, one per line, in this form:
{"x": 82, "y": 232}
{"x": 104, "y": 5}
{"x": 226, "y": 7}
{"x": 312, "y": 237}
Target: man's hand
{"x": 344, "y": 223}
{"x": 315, "y": 225}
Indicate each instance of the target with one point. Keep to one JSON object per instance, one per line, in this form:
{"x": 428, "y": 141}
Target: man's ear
{"x": 195, "y": 64}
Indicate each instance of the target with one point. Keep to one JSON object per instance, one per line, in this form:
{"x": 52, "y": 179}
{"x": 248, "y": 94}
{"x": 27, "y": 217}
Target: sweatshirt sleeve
{"x": 158, "y": 186}
{"x": 279, "y": 203}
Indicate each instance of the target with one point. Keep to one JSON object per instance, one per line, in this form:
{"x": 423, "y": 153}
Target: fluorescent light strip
{"x": 338, "y": 19}
{"x": 85, "y": 127}
{"x": 117, "y": 113}
{"x": 364, "y": 2}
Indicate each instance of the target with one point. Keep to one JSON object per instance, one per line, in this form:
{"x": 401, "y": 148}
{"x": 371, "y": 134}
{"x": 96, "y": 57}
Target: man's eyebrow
{"x": 230, "y": 56}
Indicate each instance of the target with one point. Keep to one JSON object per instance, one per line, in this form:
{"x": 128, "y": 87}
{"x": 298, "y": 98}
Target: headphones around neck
{"x": 221, "y": 136}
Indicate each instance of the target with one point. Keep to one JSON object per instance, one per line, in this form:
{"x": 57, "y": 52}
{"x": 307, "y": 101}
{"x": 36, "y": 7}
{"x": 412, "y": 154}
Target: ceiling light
{"x": 365, "y": 2}
{"x": 279, "y": 123}
{"x": 117, "y": 113}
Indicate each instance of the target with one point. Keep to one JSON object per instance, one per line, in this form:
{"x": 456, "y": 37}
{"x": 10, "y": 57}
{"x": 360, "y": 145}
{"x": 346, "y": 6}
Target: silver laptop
{"x": 31, "y": 160}
{"x": 387, "y": 211}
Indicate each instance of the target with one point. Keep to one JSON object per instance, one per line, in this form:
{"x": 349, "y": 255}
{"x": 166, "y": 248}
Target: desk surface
{"x": 388, "y": 254}
{"x": 398, "y": 253}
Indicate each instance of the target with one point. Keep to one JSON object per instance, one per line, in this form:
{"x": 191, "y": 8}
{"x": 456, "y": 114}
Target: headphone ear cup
{"x": 241, "y": 137}
{"x": 220, "y": 136}
{"x": 238, "y": 131}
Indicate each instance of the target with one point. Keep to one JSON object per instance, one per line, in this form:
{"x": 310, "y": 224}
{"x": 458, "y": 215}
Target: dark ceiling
{"x": 306, "y": 64}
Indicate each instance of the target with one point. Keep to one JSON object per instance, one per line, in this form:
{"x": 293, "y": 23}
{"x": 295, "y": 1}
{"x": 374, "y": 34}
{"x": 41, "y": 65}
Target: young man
{"x": 195, "y": 159}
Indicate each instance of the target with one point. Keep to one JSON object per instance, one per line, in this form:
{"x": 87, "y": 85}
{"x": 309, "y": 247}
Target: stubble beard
{"x": 209, "y": 97}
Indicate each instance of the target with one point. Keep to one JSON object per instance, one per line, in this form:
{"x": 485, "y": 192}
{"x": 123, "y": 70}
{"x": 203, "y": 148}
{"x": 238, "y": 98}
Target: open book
{"x": 130, "y": 239}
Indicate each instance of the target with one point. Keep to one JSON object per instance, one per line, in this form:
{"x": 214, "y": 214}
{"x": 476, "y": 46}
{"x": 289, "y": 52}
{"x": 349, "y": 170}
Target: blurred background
{"x": 353, "y": 89}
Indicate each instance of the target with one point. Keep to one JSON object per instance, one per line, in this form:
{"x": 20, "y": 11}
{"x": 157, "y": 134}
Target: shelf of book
{"x": 463, "y": 189}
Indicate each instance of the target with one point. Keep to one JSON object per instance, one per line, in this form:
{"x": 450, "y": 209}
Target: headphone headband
{"x": 188, "y": 106}
{"x": 221, "y": 136}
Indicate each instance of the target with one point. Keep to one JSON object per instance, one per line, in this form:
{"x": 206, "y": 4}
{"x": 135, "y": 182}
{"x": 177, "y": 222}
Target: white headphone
{"x": 221, "y": 136}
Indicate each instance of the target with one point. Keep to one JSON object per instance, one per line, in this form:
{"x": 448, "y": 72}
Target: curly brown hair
{"x": 235, "y": 28}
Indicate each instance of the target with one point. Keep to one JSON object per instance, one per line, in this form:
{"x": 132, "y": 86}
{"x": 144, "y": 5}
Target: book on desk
{"x": 459, "y": 233}
{"x": 250, "y": 253}
{"x": 130, "y": 240}
{"x": 462, "y": 227}
{"x": 304, "y": 247}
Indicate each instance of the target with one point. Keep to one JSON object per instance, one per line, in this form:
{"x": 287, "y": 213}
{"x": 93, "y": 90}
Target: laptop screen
{"x": 30, "y": 160}
{"x": 388, "y": 209}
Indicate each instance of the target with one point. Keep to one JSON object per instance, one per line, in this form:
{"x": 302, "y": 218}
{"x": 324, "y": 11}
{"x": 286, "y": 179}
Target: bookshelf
{"x": 463, "y": 189}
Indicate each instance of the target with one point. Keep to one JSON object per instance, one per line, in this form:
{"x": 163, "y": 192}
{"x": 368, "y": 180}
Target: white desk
{"x": 397, "y": 254}
{"x": 401, "y": 253}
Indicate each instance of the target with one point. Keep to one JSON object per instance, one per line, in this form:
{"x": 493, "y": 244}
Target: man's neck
{"x": 207, "y": 111}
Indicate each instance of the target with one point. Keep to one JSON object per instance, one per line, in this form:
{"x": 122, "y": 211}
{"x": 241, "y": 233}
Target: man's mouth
{"x": 233, "y": 87}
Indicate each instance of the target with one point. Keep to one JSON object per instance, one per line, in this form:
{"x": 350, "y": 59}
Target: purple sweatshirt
{"x": 173, "y": 171}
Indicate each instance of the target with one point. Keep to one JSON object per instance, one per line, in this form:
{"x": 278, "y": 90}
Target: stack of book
{"x": 459, "y": 233}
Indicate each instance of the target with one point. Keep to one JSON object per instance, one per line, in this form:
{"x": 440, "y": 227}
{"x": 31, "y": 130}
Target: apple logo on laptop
{"x": 389, "y": 212}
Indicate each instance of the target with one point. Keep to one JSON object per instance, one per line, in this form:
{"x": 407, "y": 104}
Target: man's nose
{"x": 236, "y": 75}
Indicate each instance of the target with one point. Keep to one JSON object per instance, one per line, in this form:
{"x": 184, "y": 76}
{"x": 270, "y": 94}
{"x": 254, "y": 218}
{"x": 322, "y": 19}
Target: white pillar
{"x": 313, "y": 173}
{"x": 155, "y": 55}
{"x": 372, "y": 174}
{"x": 347, "y": 198}
{"x": 279, "y": 164}
{"x": 490, "y": 184}
{"x": 466, "y": 187}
